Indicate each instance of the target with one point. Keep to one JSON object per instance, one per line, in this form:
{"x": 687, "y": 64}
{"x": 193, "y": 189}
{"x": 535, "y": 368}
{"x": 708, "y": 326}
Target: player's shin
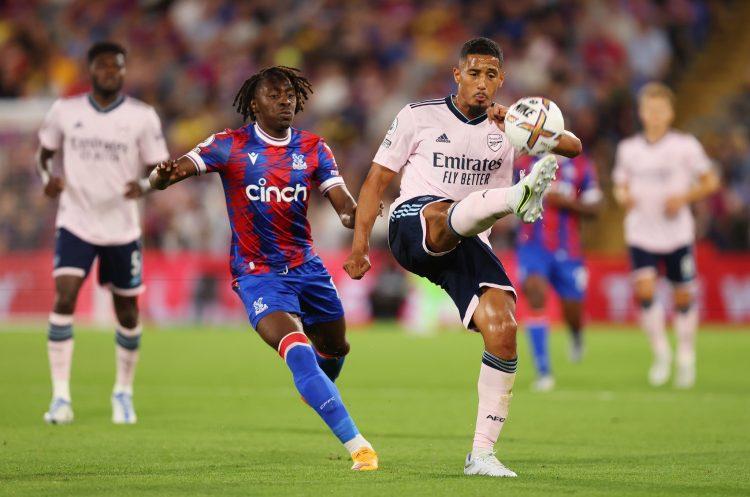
{"x": 60, "y": 352}
{"x": 653, "y": 323}
{"x": 128, "y": 341}
{"x": 686, "y": 326}
{"x": 318, "y": 390}
{"x": 495, "y": 386}
{"x": 478, "y": 211}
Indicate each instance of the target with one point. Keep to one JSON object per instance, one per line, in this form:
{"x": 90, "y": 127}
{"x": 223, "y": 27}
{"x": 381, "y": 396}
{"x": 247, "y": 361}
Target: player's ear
{"x": 456, "y": 74}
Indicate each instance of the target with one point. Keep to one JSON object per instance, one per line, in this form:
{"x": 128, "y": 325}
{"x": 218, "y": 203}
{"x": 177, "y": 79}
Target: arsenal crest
{"x": 494, "y": 141}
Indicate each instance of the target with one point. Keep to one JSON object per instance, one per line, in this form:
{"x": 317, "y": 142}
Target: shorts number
{"x": 687, "y": 266}
{"x": 135, "y": 263}
{"x": 581, "y": 277}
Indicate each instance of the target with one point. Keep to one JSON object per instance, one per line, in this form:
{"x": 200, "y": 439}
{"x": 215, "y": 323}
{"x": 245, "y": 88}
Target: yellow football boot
{"x": 365, "y": 459}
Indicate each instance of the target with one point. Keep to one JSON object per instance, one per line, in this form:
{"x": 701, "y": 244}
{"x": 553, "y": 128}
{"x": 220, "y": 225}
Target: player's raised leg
{"x": 127, "y": 345}
{"x": 283, "y": 332}
{"x": 537, "y": 328}
{"x": 653, "y": 323}
{"x": 481, "y": 209}
{"x": 494, "y": 317}
{"x": 60, "y": 343}
{"x": 331, "y": 347}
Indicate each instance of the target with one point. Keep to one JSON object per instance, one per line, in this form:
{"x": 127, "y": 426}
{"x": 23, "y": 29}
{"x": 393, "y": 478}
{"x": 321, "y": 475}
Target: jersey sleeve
{"x": 51, "y": 133}
{"x": 326, "y": 175}
{"x": 697, "y": 160}
{"x": 212, "y": 154}
{"x": 588, "y": 187}
{"x": 399, "y": 142}
{"x": 620, "y": 170}
{"x": 151, "y": 143}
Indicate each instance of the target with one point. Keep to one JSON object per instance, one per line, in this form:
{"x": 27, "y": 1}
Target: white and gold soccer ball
{"x": 534, "y": 125}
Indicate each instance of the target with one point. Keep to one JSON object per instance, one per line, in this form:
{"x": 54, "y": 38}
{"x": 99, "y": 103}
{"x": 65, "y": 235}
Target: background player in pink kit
{"x": 457, "y": 171}
{"x": 268, "y": 169}
{"x": 549, "y": 252}
{"x": 657, "y": 175}
{"x": 106, "y": 140}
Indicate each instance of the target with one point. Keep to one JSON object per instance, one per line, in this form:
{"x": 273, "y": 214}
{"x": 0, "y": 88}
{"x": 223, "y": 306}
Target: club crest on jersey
{"x": 494, "y": 141}
{"x": 298, "y": 162}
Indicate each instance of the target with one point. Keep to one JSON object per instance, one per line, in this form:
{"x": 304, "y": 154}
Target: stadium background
{"x": 366, "y": 59}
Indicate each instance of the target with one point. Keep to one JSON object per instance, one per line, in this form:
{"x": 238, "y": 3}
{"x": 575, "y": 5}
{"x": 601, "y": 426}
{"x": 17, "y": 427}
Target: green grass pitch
{"x": 219, "y": 416}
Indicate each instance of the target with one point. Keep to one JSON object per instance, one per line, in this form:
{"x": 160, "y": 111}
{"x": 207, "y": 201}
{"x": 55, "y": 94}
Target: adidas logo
{"x": 443, "y": 139}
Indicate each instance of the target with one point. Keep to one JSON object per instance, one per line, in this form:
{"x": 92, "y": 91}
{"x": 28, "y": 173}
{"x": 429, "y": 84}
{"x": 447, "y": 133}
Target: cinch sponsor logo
{"x": 274, "y": 193}
{"x": 464, "y": 163}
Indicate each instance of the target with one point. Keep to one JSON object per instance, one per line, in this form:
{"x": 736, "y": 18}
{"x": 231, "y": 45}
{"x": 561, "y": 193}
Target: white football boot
{"x": 60, "y": 412}
{"x": 535, "y": 186}
{"x": 544, "y": 383}
{"x": 486, "y": 464}
{"x": 660, "y": 370}
{"x": 123, "y": 412}
{"x": 685, "y": 377}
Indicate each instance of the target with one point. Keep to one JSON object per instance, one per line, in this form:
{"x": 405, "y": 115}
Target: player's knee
{"x": 500, "y": 337}
{"x": 127, "y": 316}
{"x": 683, "y": 301}
{"x": 65, "y": 302}
{"x": 339, "y": 349}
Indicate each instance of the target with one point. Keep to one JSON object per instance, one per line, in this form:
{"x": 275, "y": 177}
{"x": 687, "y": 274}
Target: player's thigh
{"x": 318, "y": 297}
{"x": 439, "y": 237}
{"x": 121, "y": 268}
{"x": 72, "y": 262}
{"x": 276, "y": 325}
{"x": 495, "y": 319}
{"x": 534, "y": 270}
{"x": 645, "y": 272}
{"x": 329, "y": 337}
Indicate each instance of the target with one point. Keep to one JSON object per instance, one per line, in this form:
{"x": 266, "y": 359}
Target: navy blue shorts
{"x": 679, "y": 265}
{"x": 120, "y": 266}
{"x": 567, "y": 275}
{"x": 461, "y": 272}
{"x": 306, "y": 290}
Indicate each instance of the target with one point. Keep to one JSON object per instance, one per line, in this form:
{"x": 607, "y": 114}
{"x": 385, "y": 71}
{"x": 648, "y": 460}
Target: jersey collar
{"x": 118, "y": 101}
{"x": 270, "y": 139}
{"x": 460, "y": 115}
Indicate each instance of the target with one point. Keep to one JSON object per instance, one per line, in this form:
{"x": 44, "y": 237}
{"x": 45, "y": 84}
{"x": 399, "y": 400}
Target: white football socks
{"x": 494, "y": 387}
{"x": 357, "y": 443}
{"x": 480, "y": 210}
{"x": 653, "y": 323}
{"x": 685, "y": 326}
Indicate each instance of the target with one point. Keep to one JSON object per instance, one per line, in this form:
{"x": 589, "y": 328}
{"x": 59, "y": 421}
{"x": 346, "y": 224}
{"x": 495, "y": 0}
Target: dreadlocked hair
{"x": 301, "y": 85}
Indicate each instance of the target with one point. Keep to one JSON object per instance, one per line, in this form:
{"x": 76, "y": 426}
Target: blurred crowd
{"x": 366, "y": 60}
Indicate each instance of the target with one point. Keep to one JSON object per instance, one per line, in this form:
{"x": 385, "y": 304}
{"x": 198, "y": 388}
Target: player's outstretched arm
{"x": 344, "y": 204}
{"x": 358, "y": 262}
{"x": 170, "y": 172}
{"x": 569, "y": 144}
{"x": 53, "y": 185}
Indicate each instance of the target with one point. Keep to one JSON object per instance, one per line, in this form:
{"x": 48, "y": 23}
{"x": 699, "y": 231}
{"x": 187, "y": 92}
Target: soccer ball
{"x": 534, "y": 125}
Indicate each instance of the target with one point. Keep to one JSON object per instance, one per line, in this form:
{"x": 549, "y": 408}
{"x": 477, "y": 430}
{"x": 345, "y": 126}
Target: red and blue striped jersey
{"x": 559, "y": 231}
{"x": 267, "y": 183}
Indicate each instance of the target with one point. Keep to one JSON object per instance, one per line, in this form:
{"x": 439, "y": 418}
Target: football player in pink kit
{"x": 268, "y": 169}
{"x": 549, "y": 252}
{"x": 107, "y": 140}
{"x": 657, "y": 175}
{"x": 457, "y": 170}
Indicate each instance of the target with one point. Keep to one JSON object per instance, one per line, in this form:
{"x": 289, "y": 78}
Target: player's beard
{"x": 476, "y": 111}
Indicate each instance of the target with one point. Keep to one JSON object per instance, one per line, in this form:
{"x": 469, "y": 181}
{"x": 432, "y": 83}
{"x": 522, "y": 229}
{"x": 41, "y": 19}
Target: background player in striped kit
{"x": 657, "y": 175}
{"x": 106, "y": 139}
{"x": 549, "y": 252}
{"x": 267, "y": 169}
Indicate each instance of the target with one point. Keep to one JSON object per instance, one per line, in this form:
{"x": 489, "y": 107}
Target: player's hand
{"x": 164, "y": 171}
{"x": 357, "y": 264}
{"x": 133, "y": 190}
{"x": 673, "y": 205}
{"x": 54, "y": 186}
{"x": 496, "y": 114}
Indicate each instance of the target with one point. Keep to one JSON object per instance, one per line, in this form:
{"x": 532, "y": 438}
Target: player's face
{"x": 274, "y": 103}
{"x": 478, "y": 79}
{"x": 655, "y": 112}
{"x": 107, "y": 72}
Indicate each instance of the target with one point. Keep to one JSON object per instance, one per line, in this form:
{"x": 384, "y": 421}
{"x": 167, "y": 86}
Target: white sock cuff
{"x": 129, "y": 332}
{"x": 357, "y": 443}
{"x": 60, "y": 319}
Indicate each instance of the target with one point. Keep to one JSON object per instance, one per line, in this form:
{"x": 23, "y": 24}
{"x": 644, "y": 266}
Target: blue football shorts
{"x": 567, "y": 275}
